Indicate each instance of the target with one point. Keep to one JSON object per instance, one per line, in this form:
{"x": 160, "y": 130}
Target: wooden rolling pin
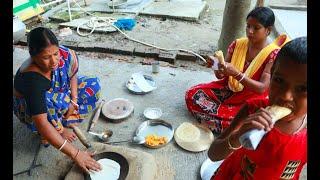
{"x": 81, "y": 137}
{"x": 96, "y": 116}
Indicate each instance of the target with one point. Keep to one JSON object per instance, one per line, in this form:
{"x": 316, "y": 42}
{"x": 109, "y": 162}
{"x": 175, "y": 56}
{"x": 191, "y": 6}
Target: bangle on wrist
{"x": 64, "y": 143}
{"x": 76, "y": 154}
{"x": 230, "y": 146}
{"x": 73, "y": 103}
{"x": 74, "y": 97}
{"x": 237, "y": 75}
{"x": 243, "y": 75}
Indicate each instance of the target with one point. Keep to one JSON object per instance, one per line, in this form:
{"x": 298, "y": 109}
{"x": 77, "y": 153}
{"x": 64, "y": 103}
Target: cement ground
{"x": 114, "y": 70}
{"x": 200, "y": 36}
{"x": 113, "y": 73}
{"x": 169, "y": 96}
{"x": 162, "y": 32}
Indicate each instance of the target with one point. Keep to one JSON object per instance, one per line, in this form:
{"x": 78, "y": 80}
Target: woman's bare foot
{"x": 70, "y": 136}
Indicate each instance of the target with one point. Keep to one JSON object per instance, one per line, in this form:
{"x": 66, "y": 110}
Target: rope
{"x": 96, "y": 22}
{"x": 108, "y": 21}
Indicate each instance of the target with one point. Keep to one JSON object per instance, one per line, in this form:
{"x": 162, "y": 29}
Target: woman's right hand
{"x": 219, "y": 74}
{"x": 259, "y": 120}
{"x": 85, "y": 161}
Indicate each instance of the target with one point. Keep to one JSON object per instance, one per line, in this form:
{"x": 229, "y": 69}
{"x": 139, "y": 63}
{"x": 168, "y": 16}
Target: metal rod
{"x": 116, "y": 142}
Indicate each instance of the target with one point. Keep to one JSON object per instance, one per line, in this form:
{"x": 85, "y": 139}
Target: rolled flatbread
{"x": 188, "y": 132}
{"x": 252, "y": 138}
{"x": 110, "y": 170}
{"x": 219, "y": 56}
{"x": 278, "y": 112}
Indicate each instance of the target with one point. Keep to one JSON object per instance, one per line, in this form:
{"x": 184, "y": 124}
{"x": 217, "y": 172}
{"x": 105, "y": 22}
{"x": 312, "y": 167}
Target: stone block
{"x": 186, "y": 56}
{"x": 124, "y": 50}
{"x": 169, "y": 57}
{"x": 82, "y": 46}
{"x": 139, "y": 51}
{"x": 152, "y": 52}
{"x": 205, "y": 53}
{"x": 104, "y": 48}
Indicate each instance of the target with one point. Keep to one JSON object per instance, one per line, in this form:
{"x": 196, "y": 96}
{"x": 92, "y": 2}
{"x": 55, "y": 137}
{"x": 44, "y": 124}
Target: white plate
{"x": 135, "y": 89}
{"x": 208, "y": 168}
{"x": 141, "y": 82}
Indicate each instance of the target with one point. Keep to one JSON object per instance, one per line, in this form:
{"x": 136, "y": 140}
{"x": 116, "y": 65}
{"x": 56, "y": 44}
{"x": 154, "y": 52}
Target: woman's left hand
{"x": 228, "y": 69}
{"x": 70, "y": 111}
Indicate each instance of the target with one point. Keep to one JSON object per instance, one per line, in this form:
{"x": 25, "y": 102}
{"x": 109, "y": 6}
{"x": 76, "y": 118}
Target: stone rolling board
{"x": 142, "y": 165}
{"x": 76, "y": 22}
{"x": 178, "y": 9}
{"x": 102, "y": 6}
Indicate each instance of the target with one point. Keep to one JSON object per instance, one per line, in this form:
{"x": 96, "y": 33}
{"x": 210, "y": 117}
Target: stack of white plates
{"x": 140, "y": 83}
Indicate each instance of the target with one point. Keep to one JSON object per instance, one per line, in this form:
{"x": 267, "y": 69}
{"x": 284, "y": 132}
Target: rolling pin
{"x": 81, "y": 137}
{"x": 96, "y": 116}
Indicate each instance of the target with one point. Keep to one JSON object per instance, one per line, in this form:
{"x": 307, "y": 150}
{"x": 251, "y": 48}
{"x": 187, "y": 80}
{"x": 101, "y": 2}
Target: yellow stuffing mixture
{"x": 154, "y": 140}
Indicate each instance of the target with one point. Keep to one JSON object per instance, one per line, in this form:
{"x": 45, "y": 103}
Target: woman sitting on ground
{"x": 245, "y": 74}
{"x": 48, "y": 95}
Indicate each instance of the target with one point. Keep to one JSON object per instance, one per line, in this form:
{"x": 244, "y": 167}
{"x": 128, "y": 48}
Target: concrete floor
{"x": 197, "y": 36}
{"x": 296, "y": 28}
{"x": 169, "y": 96}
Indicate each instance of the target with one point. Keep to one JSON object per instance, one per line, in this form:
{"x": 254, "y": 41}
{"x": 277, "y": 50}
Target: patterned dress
{"x": 215, "y": 104}
{"x": 58, "y": 96}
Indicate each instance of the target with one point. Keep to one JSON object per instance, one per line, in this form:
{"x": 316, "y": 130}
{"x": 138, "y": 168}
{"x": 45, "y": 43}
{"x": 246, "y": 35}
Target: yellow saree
{"x": 239, "y": 57}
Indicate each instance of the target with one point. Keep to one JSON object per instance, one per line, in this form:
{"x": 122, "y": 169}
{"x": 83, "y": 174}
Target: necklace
{"x": 302, "y": 124}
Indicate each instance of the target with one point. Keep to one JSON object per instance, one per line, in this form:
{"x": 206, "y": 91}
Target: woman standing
{"x": 244, "y": 76}
{"x": 48, "y": 95}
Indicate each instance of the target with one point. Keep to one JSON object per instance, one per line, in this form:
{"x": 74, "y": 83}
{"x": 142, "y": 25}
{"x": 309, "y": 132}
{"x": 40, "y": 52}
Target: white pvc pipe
{"x": 68, "y": 1}
{"x": 52, "y": 2}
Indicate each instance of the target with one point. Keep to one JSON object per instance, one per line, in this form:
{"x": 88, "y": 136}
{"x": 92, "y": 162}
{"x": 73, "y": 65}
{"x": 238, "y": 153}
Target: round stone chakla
{"x": 117, "y": 110}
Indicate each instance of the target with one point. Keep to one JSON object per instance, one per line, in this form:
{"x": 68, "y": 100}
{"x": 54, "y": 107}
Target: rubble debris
{"x": 65, "y": 32}
{"x": 182, "y": 65}
{"x": 186, "y": 56}
{"x": 146, "y": 61}
{"x": 164, "y": 64}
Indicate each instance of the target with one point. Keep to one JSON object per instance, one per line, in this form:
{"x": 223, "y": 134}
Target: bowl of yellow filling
{"x": 157, "y": 133}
